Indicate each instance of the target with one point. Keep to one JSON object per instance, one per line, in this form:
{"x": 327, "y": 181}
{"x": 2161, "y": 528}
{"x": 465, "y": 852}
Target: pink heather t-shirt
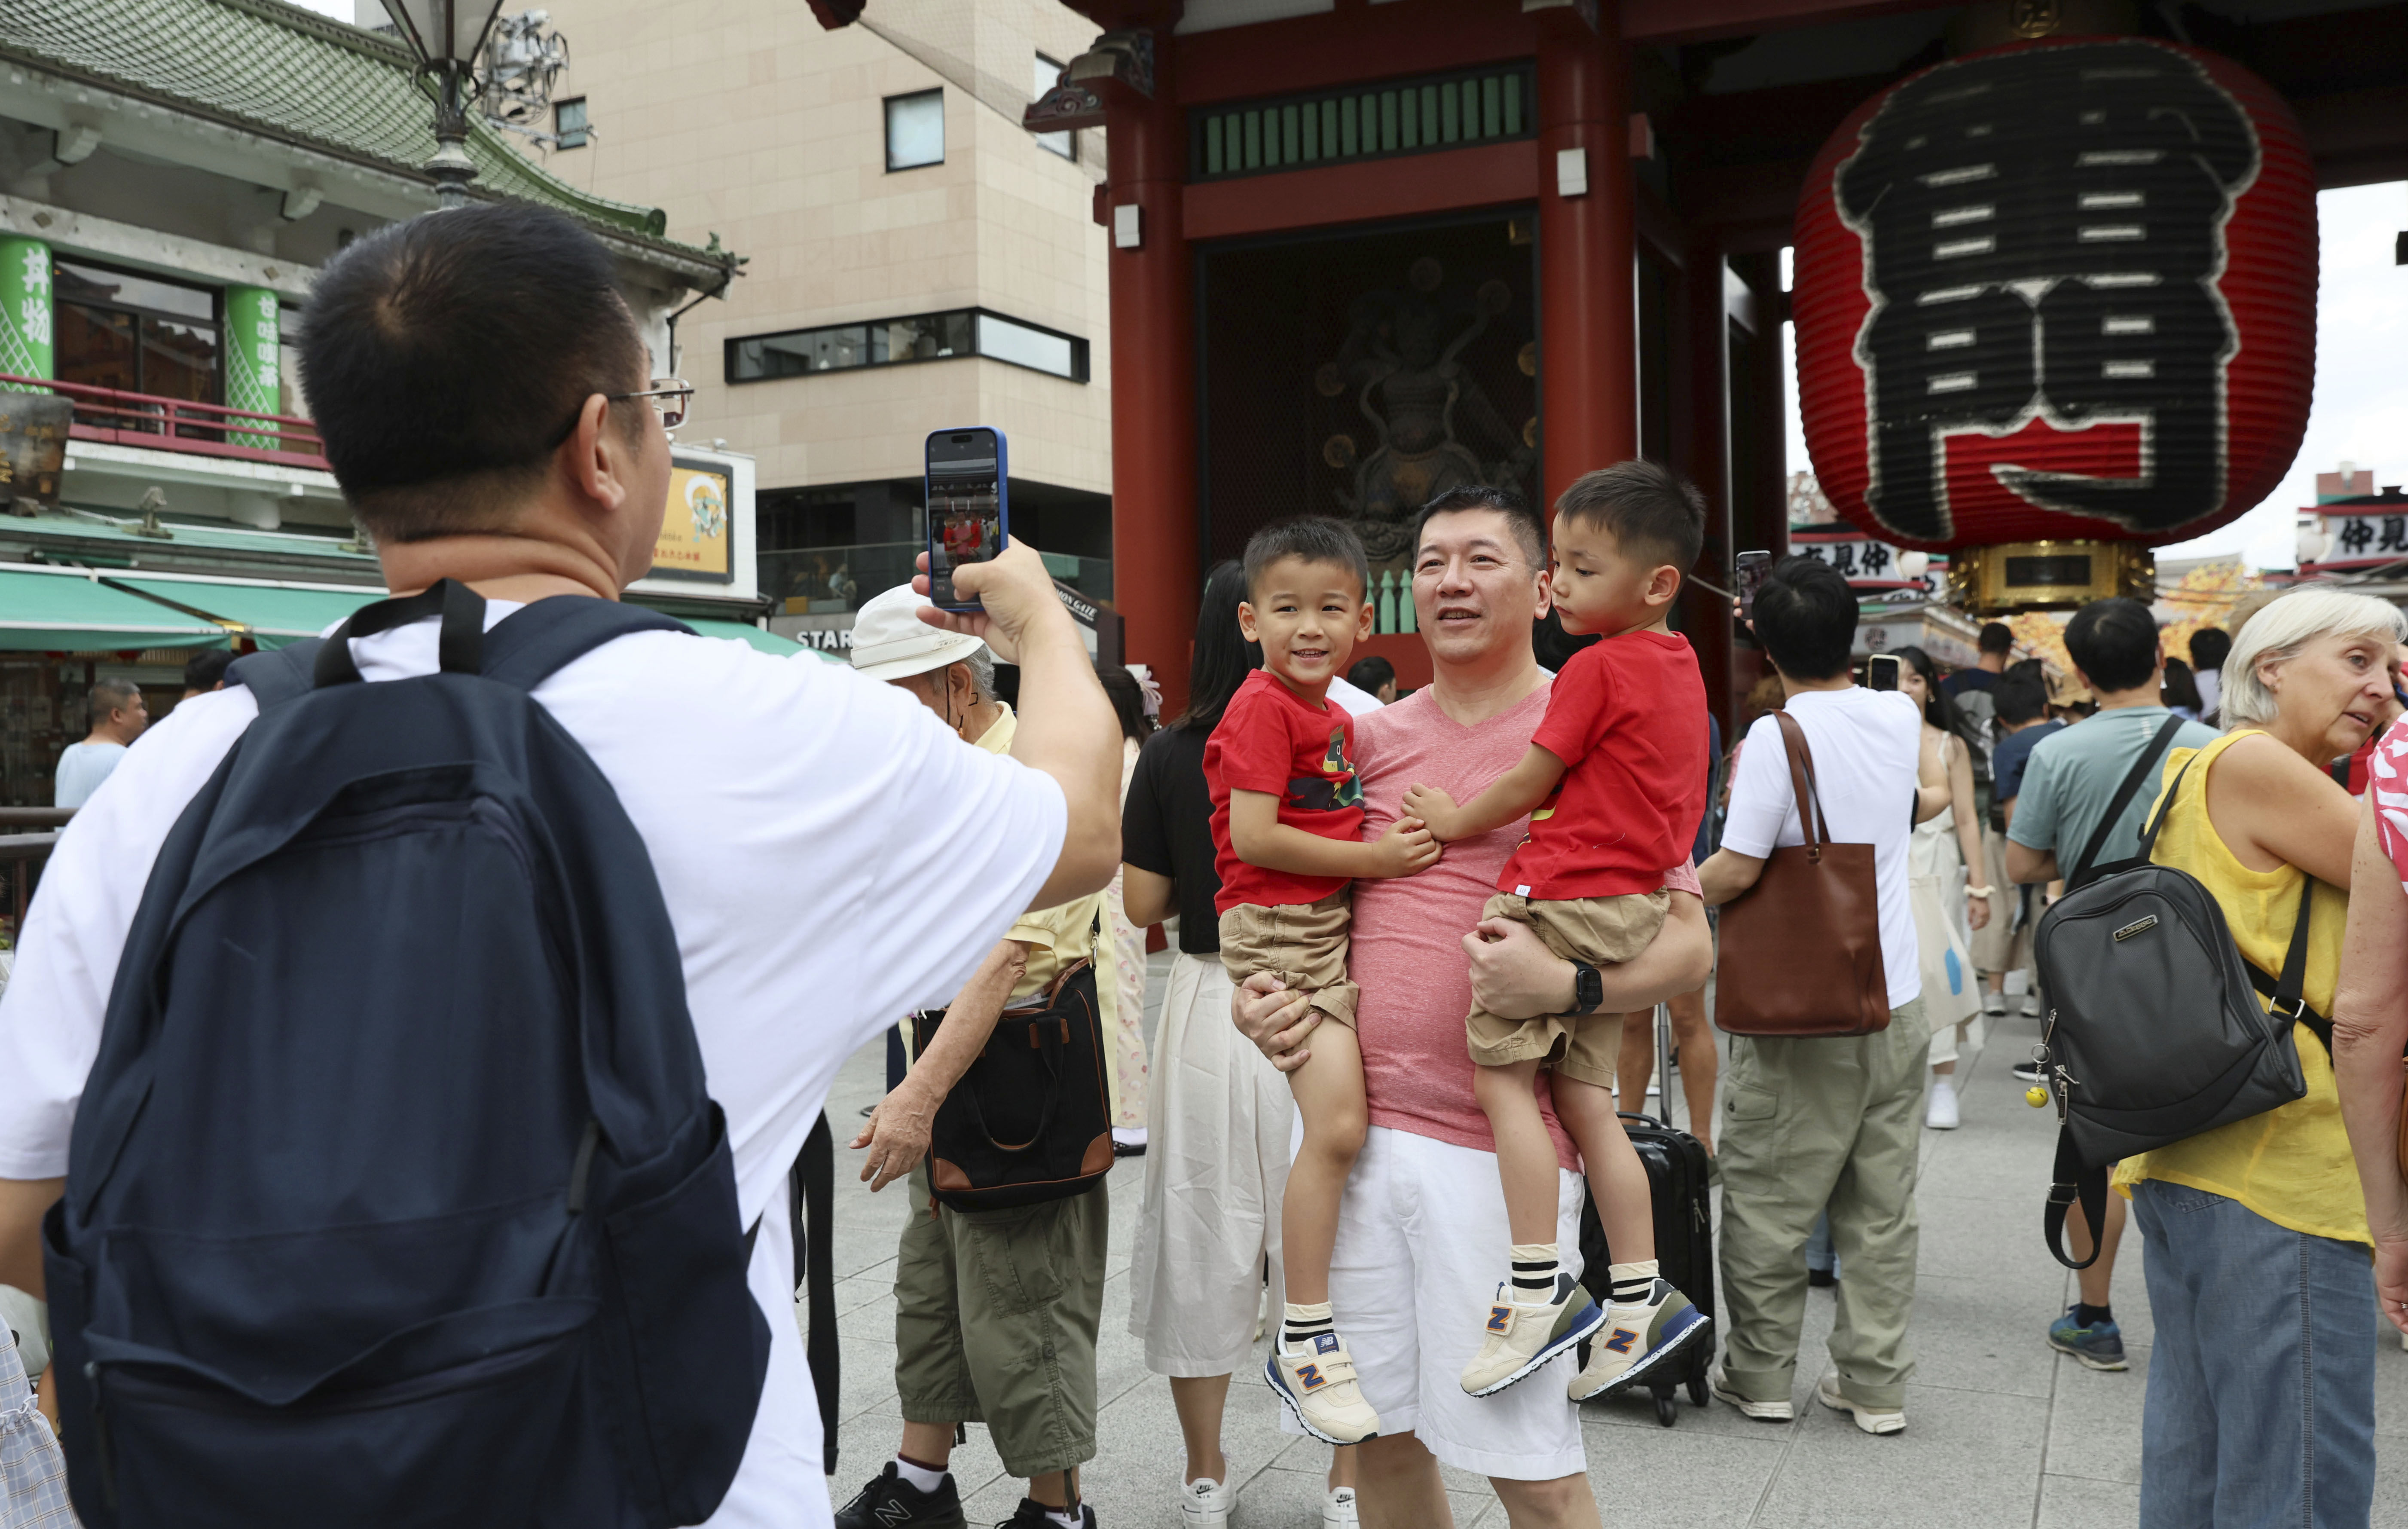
{"x": 1407, "y": 957}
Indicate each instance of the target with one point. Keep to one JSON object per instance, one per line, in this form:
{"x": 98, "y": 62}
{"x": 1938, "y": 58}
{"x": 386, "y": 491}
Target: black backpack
{"x": 394, "y": 1196}
{"x": 2155, "y": 1032}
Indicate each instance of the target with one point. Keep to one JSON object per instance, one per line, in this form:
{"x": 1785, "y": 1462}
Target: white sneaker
{"x": 1942, "y": 1113}
{"x": 1205, "y": 1503}
{"x": 1872, "y": 1420}
{"x": 1780, "y": 1411}
{"x": 2032, "y": 1010}
{"x": 1338, "y": 1509}
{"x": 1993, "y": 1003}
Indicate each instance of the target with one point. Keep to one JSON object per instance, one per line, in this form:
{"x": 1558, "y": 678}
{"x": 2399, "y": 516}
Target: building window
{"x": 136, "y": 332}
{"x": 915, "y": 130}
{"x": 1048, "y": 74}
{"x": 888, "y": 342}
{"x": 569, "y": 124}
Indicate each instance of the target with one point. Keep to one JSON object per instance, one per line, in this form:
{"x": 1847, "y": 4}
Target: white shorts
{"x": 1422, "y": 1244}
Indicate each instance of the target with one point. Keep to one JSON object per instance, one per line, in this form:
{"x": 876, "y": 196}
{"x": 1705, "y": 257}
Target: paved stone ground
{"x": 2002, "y": 1430}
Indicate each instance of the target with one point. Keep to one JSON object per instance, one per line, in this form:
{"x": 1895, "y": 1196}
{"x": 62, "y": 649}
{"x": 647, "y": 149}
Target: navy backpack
{"x": 394, "y": 1196}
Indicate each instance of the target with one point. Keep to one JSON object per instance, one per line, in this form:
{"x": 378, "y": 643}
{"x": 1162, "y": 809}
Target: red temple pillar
{"x": 1588, "y": 382}
{"x": 1154, "y": 536}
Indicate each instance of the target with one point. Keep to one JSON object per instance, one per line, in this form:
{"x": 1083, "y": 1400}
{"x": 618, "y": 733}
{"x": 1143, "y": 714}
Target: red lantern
{"x": 2057, "y": 291}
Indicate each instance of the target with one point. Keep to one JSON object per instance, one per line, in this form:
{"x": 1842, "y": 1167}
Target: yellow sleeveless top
{"x": 2291, "y": 1165}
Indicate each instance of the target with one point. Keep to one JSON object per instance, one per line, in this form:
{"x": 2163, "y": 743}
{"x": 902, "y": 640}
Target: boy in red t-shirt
{"x": 1287, "y": 835}
{"x": 1614, "y": 786}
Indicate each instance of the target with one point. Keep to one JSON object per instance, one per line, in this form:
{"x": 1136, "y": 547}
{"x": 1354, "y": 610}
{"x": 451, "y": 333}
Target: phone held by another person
{"x": 969, "y": 511}
{"x": 1881, "y": 672}
{"x": 1753, "y": 567}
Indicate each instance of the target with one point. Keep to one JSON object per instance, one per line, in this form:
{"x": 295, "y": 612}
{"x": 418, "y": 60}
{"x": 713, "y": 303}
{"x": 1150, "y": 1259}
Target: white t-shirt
{"x": 830, "y": 854}
{"x": 82, "y": 767}
{"x": 1865, "y": 744}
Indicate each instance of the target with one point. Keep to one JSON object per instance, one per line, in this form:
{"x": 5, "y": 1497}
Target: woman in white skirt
{"x": 1216, "y": 1162}
{"x": 1947, "y": 910}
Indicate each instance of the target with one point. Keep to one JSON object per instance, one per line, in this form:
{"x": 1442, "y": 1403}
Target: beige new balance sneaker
{"x": 1316, "y": 1383}
{"x": 1635, "y": 1339}
{"x": 1519, "y": 1337}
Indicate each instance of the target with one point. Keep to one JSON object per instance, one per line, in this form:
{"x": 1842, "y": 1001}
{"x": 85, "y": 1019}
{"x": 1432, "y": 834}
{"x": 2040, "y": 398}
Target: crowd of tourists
{"x": 489, "y": 1242}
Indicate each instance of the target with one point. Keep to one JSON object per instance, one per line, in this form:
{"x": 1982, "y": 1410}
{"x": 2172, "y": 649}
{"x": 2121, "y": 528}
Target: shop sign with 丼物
{"x": 695, "y": 538}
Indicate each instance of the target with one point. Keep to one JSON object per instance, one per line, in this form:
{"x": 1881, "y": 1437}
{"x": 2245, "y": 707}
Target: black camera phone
{"x": 969, "y": 512}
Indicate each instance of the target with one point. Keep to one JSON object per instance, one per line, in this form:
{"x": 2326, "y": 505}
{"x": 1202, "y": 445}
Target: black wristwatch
{"x": 1588, "y": 989}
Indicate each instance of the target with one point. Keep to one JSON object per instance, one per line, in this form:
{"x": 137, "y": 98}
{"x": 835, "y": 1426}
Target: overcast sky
{"x": 2361, "y": 413}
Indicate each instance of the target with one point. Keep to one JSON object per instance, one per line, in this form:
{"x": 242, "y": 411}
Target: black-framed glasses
{"x": 672, "y": 395}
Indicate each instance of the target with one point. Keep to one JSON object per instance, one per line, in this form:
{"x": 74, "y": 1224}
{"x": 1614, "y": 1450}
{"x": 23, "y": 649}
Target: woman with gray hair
{"x": 2262, "y": 1383}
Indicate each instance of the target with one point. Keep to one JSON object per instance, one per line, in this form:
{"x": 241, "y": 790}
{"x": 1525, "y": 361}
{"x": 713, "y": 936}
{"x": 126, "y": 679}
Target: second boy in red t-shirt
{"x": 1287, "y": 836}
{"x": 1614, "y": 785}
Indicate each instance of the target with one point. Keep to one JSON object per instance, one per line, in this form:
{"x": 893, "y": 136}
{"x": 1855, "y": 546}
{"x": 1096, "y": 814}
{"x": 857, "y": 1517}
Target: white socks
{"x": 1534, "y": 1267}
{"x": 1632, "y": 1283}
{"x": 918, "y": 1474}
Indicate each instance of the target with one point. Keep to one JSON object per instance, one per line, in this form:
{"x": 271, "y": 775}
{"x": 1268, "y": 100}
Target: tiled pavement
{"x": 2001, "y": 1431}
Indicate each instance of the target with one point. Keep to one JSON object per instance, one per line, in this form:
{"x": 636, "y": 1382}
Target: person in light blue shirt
{"x": 2069, "y": 783}
{"x": 118, "y": 718}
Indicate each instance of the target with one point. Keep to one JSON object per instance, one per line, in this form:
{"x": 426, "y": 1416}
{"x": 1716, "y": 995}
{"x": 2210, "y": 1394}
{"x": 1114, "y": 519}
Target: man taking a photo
{"x": 517, "y": 446}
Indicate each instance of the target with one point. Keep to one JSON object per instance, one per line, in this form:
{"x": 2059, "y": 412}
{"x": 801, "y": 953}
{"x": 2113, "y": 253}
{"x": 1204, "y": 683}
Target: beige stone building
{"x": 916, "y": 261}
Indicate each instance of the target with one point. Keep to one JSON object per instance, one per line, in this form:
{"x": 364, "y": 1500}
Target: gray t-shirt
{"x": 81, "y": 769}
{"x": 2073, "y": 775}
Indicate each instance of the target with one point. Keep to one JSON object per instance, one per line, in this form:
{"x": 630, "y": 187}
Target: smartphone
{"x": 1881, "y": 672}
{"x": 1753, "y": 567}
{"x": 969, "y": 516}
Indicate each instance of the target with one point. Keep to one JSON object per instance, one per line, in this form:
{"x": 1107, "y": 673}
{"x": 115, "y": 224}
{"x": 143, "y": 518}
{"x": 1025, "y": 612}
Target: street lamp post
{"x": 447, "y": 36}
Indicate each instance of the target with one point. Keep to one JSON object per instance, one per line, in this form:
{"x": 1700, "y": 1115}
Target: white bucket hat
{"x": 890, "y": 641}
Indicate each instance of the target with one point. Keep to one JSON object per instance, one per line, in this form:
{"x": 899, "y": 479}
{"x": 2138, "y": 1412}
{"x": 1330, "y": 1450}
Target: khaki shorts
{"x": 1601, "y": 930}
{"x": 1303, "y": 944}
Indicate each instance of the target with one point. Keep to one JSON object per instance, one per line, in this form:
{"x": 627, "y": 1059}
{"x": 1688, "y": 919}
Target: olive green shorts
{"x": 996, "y": 1314}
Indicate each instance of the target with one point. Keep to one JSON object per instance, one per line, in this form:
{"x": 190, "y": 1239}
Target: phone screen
{"x": 1753, "y": 567}
{"x": 1881, "y": 672}
{"x": 966, "y": 516}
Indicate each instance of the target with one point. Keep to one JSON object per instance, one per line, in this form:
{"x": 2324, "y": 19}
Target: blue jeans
{"x": 2261, "y": 1382}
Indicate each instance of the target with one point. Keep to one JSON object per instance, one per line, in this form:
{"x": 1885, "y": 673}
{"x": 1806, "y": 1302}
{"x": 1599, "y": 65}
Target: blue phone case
{"x": 1002, "y": 496}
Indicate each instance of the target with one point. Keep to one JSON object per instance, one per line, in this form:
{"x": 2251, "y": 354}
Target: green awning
{"x": 68, "y": 613}
{"x": 768, "y": 642}
{"x": 273, "y": 615}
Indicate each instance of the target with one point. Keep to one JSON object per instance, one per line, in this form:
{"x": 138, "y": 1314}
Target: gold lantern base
{"x": 2048, "y": 576}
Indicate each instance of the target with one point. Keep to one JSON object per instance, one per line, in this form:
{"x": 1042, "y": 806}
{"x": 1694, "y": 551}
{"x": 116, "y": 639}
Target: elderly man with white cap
{"x": 969, "y": 1348}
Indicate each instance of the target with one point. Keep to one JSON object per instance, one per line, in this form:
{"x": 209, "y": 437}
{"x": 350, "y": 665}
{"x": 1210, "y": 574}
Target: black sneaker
{"x": 1032, "y": 1515}
{"x": 890, "y": 1502}
{"x": 2026, "y": 1072}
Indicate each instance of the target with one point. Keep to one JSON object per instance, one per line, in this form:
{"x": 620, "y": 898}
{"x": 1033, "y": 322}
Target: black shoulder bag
{"x": 2155, "y": 1032}
{"x": 1031, "y": 1120}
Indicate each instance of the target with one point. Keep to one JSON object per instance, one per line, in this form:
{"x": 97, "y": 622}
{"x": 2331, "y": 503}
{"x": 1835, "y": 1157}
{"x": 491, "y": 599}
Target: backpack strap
{"x": 278, "y": 675}
{"x": 811, "y": 1194}
{"x": 529, "y": 646}
{"x": 2073, "y": 1181}
{"x": 2122, "y": 799}
{"x": 2284, "y": 994}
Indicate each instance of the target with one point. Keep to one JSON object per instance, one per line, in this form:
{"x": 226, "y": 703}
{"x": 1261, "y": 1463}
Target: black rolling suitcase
{"x": 1685, "y": 1240}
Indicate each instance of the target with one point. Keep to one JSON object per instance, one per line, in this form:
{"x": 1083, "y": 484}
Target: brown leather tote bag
{"x": 1802, "y": 950}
